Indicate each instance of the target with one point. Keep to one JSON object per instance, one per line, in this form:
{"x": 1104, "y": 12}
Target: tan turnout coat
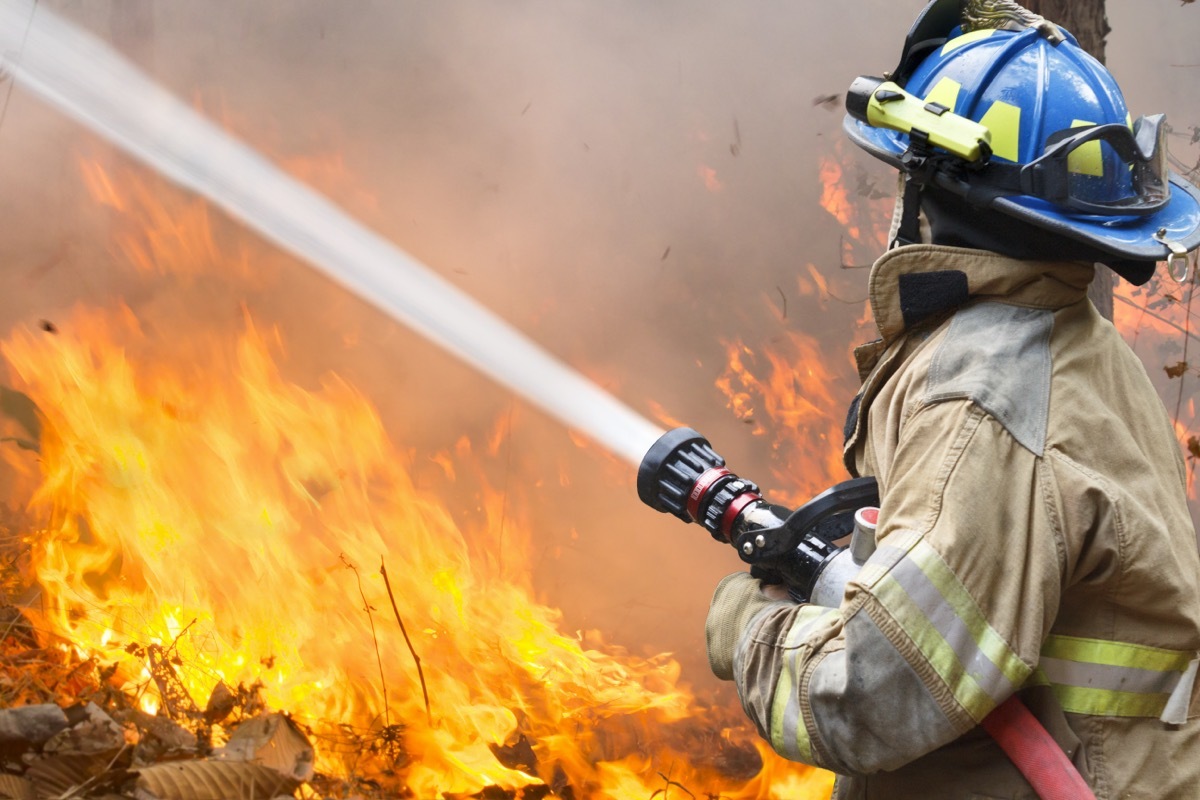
{"x": 1034, "y": 538}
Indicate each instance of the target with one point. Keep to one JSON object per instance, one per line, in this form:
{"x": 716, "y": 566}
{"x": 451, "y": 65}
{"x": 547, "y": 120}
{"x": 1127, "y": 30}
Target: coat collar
{"x": 917, "y": 282}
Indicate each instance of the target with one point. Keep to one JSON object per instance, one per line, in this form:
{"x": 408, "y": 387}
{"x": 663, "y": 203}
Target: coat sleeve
{"x": 942, "y": 624}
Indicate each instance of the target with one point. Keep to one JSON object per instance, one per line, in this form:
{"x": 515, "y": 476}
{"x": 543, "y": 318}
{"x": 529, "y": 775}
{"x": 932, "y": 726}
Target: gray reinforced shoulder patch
{"x": 998, "y": 356}
{"x": 871, "y": 709}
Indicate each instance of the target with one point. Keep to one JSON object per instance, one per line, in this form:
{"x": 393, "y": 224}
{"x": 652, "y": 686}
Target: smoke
{"x": 627, "y": 182}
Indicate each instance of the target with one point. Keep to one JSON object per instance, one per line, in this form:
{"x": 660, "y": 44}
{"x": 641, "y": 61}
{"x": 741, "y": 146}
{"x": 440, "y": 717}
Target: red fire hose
{"x": 1034, "y": 752}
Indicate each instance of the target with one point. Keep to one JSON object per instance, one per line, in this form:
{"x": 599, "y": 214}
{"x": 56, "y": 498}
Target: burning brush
{"x": 132, "y": 466}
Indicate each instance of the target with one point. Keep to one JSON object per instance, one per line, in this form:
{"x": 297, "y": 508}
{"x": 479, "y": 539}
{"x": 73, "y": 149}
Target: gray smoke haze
{"x": 625, "y": 181}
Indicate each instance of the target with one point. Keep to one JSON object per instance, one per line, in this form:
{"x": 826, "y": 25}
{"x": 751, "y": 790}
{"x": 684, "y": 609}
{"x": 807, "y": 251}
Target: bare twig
{"x": 842, "y": 258}
{"x": 77, "y": 791}
{"x": 175, "y": 641}
{"x": 1187, "y": 321}
{"x": 782, "y": 297}
{"x": 374, "y": 639}
{"x": 407, "y": 641}
{"x": 671, "y": 783}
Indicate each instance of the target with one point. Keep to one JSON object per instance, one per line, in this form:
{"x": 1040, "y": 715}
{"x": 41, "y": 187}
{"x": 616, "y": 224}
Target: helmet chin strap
{"x": 906, "y": 217}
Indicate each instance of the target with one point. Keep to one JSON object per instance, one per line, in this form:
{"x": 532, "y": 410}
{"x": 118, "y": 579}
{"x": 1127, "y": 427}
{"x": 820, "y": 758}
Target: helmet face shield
{"x": 1103, "y": 169}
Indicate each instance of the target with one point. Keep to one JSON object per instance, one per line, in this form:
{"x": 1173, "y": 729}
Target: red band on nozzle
{"x": 700, "y": 489}
{"x": 734, "y": 511}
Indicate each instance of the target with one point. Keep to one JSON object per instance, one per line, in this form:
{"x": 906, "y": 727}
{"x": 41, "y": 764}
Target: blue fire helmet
{"x": 1064, "y": 153}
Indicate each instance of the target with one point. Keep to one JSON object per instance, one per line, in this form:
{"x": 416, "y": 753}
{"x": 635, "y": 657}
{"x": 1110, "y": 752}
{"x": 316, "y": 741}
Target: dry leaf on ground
{"x": 13, "y": 787}
{"x": 211, "y": 780}
{"x": 274, "y": 741}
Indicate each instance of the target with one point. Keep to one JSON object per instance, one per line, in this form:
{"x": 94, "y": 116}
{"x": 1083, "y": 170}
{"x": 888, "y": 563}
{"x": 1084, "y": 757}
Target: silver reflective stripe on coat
{"x": 789, "y": 736}
{"x": 1099, "y": 677}
{"x": 926, "y": 598}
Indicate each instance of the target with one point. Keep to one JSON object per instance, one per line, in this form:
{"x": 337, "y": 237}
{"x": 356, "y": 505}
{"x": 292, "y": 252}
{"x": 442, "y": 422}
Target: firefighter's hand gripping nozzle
{"x": 682, "y": 475}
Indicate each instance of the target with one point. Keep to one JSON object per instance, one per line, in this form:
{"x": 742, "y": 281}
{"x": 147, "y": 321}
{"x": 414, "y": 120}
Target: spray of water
{"x": 85, "y": 79}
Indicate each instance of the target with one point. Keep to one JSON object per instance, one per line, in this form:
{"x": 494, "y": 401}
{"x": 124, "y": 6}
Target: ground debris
{"x": 77, "y": 774}
{"x": 175, "y": 698}
{"x": 35, "y": 675}
{"x": 29, "y": 726}
{"x": 274, "y": 741}
{"x": 220, "y": 705}
{"x": 17, "y": 788}
{"x": 91, "y": 732}
{"x": 158, "y": 738}
{"x": 266, "y": 757}
{"x": 210, "y": 779}
{"x": 66, "y": 735}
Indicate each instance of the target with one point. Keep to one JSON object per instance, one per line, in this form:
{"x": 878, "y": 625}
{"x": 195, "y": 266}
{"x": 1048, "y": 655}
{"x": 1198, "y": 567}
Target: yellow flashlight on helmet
{"x": 884, "y": 104}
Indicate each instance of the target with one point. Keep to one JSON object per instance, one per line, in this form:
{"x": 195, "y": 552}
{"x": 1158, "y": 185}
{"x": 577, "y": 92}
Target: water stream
{"x": 90, "y": 82}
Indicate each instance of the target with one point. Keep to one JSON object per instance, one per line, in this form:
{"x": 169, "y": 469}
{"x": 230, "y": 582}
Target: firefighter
{"x": 1034, "y": 538}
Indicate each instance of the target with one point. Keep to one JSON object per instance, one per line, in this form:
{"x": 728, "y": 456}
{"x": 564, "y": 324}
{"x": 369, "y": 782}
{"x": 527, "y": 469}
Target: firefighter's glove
{"x": 738, "y": 599}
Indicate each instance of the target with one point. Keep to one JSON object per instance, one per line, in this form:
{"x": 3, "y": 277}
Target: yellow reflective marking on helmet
{"x": 1004, "y": 121}
{"x": 945, "y": 93}
{"x": 1087, "y": 159}
{"x": 966, "y": 39}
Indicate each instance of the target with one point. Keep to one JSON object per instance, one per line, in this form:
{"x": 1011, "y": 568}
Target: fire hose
{"x": 683, "y": 476}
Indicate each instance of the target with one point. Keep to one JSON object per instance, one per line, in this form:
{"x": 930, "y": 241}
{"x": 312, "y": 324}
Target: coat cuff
{"x": 737, "y": 600}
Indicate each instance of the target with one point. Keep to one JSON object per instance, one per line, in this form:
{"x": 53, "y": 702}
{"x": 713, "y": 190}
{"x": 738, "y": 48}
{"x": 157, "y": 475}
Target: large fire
{"x": 1157, "y": 320}
{"x": 863, "y": 210}
{"x": 790, "y": 394}
{"x": 205, "y": 524}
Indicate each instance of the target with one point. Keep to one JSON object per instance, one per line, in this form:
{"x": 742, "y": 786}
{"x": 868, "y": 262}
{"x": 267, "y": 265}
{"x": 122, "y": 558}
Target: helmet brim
{"x": 1129, "y": 238}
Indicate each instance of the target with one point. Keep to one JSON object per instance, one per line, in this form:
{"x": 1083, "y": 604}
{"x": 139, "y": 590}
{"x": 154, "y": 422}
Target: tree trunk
{"x": 1086, "y": 20}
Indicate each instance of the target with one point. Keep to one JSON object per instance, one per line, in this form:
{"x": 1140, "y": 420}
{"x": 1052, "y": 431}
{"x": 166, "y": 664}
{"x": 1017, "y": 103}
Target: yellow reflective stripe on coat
{"x": 1110, "y": 679}
{"x": 789, "y": 734}
{"x": 937, "y": 612}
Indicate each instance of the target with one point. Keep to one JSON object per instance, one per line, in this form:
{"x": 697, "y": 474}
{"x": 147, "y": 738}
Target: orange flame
{"x": 709, "y": 176}
{"x": 196, "y": 499}
{"x": 865, "y": 213}
{"x": 834, "y": 197}
{"x": 794, "y": 388}
{"x": 1157, "y": 320}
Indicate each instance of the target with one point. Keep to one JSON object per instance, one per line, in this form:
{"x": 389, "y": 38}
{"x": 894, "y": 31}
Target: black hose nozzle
{"x": 682, "y": 475}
